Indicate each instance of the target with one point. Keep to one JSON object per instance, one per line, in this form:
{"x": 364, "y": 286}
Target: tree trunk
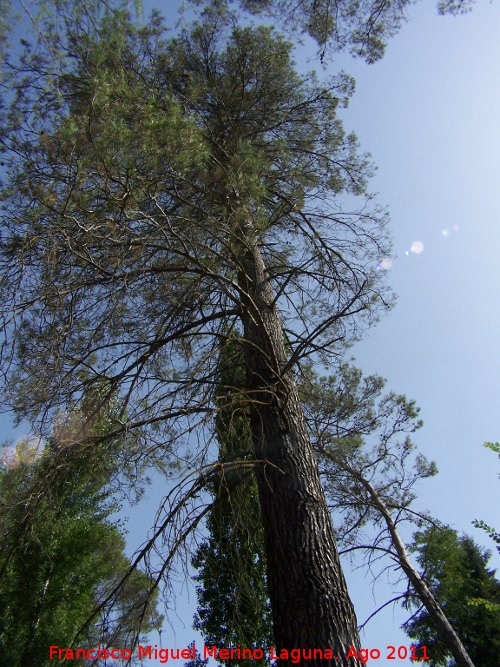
{"x": 426, "y": 595}
{"x": 310, "y": 603}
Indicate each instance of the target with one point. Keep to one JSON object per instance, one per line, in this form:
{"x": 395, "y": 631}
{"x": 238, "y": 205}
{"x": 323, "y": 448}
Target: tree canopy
{"x": 123, "y": 170}
{"x": 363, "y": 27}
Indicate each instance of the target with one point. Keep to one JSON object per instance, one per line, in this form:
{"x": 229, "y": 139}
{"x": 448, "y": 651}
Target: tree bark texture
{"x": 310, "y": 603}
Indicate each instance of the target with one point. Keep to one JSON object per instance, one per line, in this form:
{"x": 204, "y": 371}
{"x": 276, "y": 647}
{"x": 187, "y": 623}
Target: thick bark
{"x": 310, "y": 603}
{"x": 429, "y": 600}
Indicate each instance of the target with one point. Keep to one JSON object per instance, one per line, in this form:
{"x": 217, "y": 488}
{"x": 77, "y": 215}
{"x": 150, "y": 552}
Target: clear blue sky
{"x": 429, "y": 113}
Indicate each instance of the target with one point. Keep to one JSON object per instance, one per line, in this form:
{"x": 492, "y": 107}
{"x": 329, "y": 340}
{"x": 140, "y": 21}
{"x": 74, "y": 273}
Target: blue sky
{"x": 429, "y": 114}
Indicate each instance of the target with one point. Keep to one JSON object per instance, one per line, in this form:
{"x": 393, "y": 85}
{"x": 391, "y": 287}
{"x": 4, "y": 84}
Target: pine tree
{"x": 160, "y": 194}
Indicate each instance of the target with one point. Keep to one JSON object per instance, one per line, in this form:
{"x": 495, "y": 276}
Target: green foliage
{"x": 490, "y": 606}
{"x": 363, "y": 27}
{"x": 132, "y": 164}
{"x": 61, "y": 554}
{"x": 455, "y": 7}
{"x": 456, "y": 569}
{"x": 482, "y": 525}
{"x": 494, "y": 446}
{"x": 492, "y": 533}
{"x": 233, "y": 604}
{"x": 44, "y": 21}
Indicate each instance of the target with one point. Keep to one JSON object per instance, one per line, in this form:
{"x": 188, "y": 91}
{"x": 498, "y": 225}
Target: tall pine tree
{"x": 161, "y": 193}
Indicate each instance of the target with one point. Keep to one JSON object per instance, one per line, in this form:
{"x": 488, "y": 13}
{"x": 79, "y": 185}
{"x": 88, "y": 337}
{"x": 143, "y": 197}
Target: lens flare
{"x": 417, "y": 247}
{"x": 385, "y": 264}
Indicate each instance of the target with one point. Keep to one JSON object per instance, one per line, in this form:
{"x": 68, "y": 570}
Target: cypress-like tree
{"x": 233, "y": 602}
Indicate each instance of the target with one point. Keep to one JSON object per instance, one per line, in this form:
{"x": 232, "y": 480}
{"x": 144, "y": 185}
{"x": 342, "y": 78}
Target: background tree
{"x": 492, "y": 532}
{"x": 456, "y": 569}
{"x": 233, "y": 602}
{"x": 62, "y": 555}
